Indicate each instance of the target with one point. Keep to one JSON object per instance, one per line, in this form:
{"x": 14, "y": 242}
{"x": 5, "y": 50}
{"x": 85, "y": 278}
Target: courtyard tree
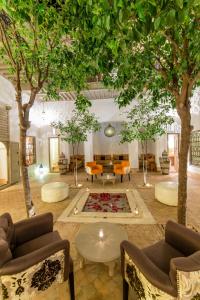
{"x": 150, "y": 45}
{"x": 36, "y": 46}
{"x": 75, "y": 130}
{"x": 144, "y": 123}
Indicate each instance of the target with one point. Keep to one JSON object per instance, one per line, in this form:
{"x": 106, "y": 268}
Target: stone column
{"x": 88, "y": 148}
{"x": 133, "y": 154}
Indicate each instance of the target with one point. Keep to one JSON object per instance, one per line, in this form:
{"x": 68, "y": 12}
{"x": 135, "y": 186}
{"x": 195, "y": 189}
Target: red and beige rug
{"x": 107, "y": 202}
{"x": 123, "y": 206}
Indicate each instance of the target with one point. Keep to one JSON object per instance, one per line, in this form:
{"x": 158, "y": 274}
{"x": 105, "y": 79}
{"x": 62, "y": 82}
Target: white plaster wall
{"x": 109, "y": 145}
{"x": 195, "y": 120}
{"x": 133, "y": 154}
{"x": 80, "y": 149}
{"x": 88, "y": 148}
{"x": 3, "y": 162}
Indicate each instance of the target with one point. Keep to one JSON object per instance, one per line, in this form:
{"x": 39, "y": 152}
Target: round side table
{"x": 100, "y": 242}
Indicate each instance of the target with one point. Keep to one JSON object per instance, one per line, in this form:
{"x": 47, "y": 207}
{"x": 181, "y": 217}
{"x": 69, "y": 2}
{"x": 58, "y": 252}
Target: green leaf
{"x": 107, "y": 24}
{"x": 157, "y": 23}
{"x": 171, "y": 16}
{"x": 179, "y": 3}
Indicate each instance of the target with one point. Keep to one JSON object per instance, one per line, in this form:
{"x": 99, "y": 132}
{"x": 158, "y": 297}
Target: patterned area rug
{"x": 122, "y": 206}
{"x": 107, "y": 202}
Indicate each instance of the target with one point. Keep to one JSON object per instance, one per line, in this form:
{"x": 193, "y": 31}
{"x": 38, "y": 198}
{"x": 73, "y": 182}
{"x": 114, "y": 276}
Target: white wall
{"x": 3, "y": 162}
{"x": 109, "y": 145}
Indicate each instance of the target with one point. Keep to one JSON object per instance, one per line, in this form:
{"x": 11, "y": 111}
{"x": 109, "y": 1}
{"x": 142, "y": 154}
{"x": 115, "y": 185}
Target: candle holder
{"x": 136, "y": 211}
{"x": 101, "y": 235}
{"x": 75, "y": 210}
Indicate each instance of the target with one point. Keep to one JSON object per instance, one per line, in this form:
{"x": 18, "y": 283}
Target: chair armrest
{"x": 29, "y": 229}
{"x": 182, "y": 238}
{"x": 150, "y": 271}
{"x": 100, "y": 167}
{"x": 117, "y": 166}
{"x": 22, "y": 263}
{"x": 185, "y": 264}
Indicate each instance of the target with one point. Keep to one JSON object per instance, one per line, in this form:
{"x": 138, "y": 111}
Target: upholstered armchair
{"x": 122, "y": 169}
{"x": 169, "y": 269}
{"x": 32, "y": 257}
{"x": 92, "y": 168}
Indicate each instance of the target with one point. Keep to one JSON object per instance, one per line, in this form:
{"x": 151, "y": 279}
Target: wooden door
{"x": 14, "y": 162}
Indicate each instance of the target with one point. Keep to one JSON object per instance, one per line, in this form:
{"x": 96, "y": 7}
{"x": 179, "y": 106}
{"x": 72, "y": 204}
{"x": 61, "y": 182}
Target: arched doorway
{"x": 3, "y": 164}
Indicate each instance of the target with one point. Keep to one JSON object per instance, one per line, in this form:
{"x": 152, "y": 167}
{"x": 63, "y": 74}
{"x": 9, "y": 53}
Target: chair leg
{"x": 125, "y": 290}
{"x": 71, "y": 286}
{"x": 121, "y": 178}
{"x": 129, "y": 176}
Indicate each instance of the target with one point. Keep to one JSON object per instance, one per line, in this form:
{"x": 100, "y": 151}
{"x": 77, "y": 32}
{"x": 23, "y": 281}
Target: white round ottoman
{"x": 54, "y": 191}
{"x": 167, "y": 192}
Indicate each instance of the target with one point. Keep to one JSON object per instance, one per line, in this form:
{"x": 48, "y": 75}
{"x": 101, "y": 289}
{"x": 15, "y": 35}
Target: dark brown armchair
{"x": 169, "y": 269}
{"x": 32, "y": 257}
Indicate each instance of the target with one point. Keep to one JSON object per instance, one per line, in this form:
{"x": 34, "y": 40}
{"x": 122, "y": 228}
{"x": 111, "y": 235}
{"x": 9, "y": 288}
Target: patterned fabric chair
{"x": 32, "y": 257}
{"x": 122, "y": 169}
{"x": 92, "y": 168}
{"x": 169, "y": 269}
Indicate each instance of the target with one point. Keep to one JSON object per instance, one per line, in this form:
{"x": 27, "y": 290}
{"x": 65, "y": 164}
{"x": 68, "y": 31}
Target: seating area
{"x": 34, "y": 255}
{"x": 99, "y": 150}
{"x": 99, "y": 167}
{"x": 162, "y": 270}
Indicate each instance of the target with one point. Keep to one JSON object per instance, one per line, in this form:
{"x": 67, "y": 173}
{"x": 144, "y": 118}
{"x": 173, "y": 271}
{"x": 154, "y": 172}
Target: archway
{"x": 3, "y": 164}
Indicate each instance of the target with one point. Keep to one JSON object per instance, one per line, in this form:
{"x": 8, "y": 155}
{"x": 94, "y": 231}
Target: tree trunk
{"x": 183, "y": 162}
{"x": 24, "y": 173}
{"x": 143, "y": 165}
{"x": 183, "y": 109}
{"x": 23, "y": 111}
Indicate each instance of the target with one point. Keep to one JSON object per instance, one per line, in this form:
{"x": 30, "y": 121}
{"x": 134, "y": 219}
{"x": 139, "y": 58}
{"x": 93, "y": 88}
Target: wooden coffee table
{"x": 108, "y": 178}
{"x": 100, "y": 242}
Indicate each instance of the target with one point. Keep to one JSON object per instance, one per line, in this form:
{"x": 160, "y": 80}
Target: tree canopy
{"x": 82, "y": 122}
{"x": 147, "y": 45}
{"x": 144, "y": 122}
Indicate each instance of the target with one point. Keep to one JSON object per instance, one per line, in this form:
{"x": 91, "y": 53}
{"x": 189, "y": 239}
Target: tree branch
{"x": 6, "y": 44}
{"x": 173, "y": 42}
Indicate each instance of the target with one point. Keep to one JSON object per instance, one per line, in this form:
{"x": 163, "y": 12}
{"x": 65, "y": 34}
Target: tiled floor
{"x": 93, "y": 282}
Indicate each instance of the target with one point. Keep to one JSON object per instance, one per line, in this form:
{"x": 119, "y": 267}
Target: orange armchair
{"x": 122, "y": 169}
{"x": 92, "y": 168}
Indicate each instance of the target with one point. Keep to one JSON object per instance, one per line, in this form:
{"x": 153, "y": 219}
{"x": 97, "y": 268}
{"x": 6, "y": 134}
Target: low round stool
{"x": 167, "y": 192}
{"x": 54, "y": 191}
